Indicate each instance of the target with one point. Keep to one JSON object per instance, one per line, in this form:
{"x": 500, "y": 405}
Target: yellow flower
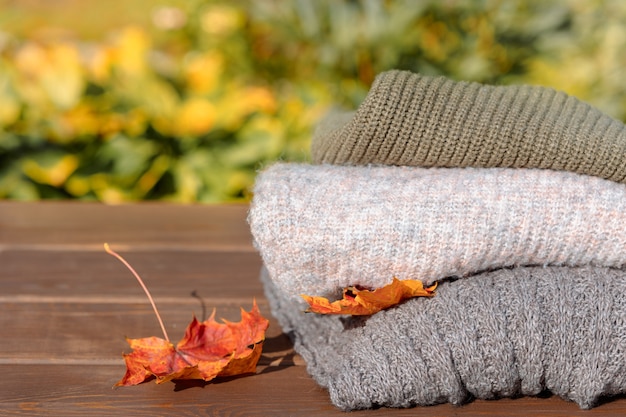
{"x": 9, "y": 110}
{"x": 53, "y": 172}
{"x": 258, "y": 99}
{"x": 100, "y": 62}
{"x": 76, "y": 122}
{"x": 240, "y": 102}
{"x": 202, "y": 71}
{"x": 196, "y": 116}
{"x": 54, "y": 72}
{"x": 221, "y": 20}
{"x": 130, "y": 51}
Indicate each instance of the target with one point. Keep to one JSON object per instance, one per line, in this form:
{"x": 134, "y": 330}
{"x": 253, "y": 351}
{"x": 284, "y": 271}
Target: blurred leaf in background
{"x": 185, "y": 100}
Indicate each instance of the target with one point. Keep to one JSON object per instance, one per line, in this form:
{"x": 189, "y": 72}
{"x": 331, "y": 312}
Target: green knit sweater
{"x": 415, "y": 120}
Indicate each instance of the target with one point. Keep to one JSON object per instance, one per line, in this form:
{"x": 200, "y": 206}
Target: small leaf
{"x": 362, "y": 302}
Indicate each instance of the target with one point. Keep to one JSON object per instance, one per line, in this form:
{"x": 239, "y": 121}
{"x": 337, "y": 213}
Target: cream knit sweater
{"x": 322, "y": 228}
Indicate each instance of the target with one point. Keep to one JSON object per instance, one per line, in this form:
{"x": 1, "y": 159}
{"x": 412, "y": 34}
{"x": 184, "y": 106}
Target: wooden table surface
{"x": 67, "y": 305}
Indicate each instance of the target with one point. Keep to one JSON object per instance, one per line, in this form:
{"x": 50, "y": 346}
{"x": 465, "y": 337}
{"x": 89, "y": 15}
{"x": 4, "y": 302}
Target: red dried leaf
{"x": 362, "y": 302}
{"x": 209, "y": 349}
{"x": 246, "y": 334}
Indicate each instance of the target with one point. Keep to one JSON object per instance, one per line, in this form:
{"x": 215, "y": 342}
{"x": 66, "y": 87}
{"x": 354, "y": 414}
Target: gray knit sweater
{"x": 505, "y": 333}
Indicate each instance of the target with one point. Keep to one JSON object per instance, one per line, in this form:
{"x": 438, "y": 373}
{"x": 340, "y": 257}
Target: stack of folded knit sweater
{"x": 511, "y": 198}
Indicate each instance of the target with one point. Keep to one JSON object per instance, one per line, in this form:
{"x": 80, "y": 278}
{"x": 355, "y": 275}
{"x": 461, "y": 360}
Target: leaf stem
{"x": 156, "y": 311}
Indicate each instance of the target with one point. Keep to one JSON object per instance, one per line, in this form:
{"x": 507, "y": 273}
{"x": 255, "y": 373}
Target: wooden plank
{"x": 79, "y": 390}
{"x": 52, "y": 333}
{"x": 135, "y": 226}
{"x": 65, "y": 274}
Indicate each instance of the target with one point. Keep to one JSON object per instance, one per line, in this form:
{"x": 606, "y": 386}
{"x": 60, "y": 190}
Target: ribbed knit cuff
{"x": 415, "y": 120}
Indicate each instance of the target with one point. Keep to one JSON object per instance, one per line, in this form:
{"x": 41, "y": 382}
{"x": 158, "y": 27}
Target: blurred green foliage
{"x": 188, "y": 108}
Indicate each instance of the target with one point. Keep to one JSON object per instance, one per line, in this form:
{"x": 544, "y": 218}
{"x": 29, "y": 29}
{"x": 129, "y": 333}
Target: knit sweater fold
{"x": 322, "y": 228}
{"x": 415, "y": 120}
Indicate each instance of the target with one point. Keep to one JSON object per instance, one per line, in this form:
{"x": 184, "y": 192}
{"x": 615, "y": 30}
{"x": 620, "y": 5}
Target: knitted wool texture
{"x": 500, "y": 334}
{"x": 320, "y": 228}
{"x": 414, "y": 120}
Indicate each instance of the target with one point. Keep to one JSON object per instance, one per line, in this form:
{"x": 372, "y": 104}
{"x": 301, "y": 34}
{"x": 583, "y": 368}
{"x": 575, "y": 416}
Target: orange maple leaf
{"x": 357, "y": 301}
{"x": 209, "y": 349}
